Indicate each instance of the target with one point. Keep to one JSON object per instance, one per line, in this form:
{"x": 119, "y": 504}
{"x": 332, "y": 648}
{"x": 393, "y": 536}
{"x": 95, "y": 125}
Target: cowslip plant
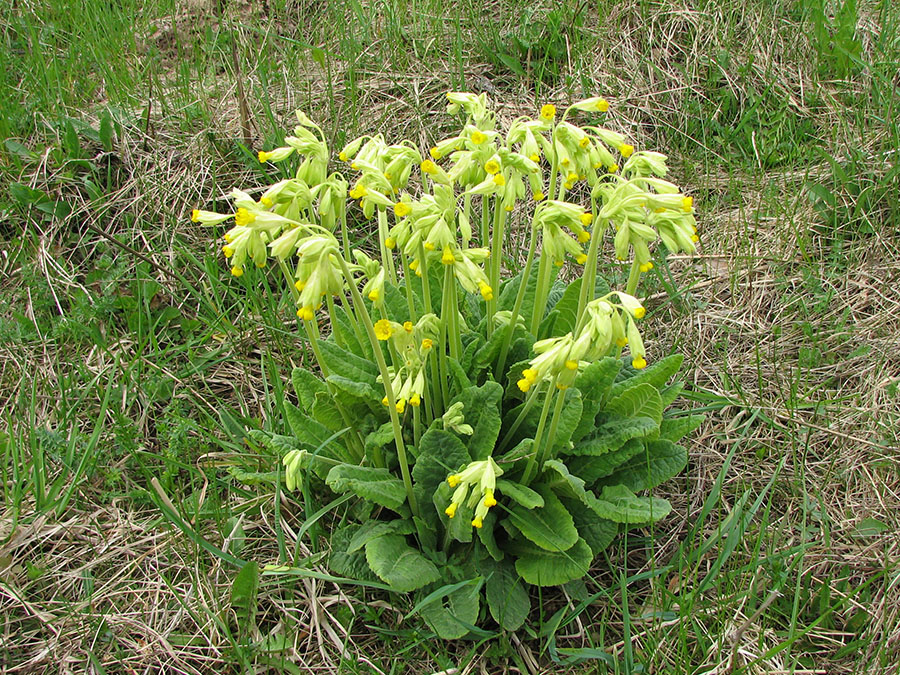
{"x": 485, "y": 423}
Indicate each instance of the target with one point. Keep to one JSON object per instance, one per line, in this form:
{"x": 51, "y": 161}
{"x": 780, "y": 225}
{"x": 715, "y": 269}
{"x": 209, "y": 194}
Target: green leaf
{"x": 18, "y": 149}
{"x": 376, "y": 485}
{"x": 670, "y": 393}
{"x": 620, "y": 505}
{"x": 452, "y": 616}
{"x": 642, "y": 400}
{"x": 549, "y": 526}
{"x": 661, "y": 461}
{"x": 312, "y": 433}
{"x": 281, "y": 445}
{"x": 655, "y": 374}
{"x": 440, "y": 454}
{"x": 243, "y": 596}
{"x": 592, "y": 468}
{"x": 490, "y": 351}
{"x": 567, "y": 305}
{"x": 543, "y": 568}
{"x": 26, "y": 195}
{"x": 106, "y": 130}
{"x": 459, "y": 381}
{"x": 343, "y": 324}
{"x": 613, "y": 435}
{"x": 378, "y": 528}
{"x": 345, "y": 564}
{"x": 481, "y": 408}
{"x": 399, "y": 565}
{"x": 325, "y": 412}
{"x": 594, "y": 383}
{"x": 675, "y": 428}
{"x": 520, "y": 494}
{"x": 562, "y": 482}
{"x": 306, "y": 386}
{"x": 486, "y": 536}
{"x": 379, "y": 438}
{"x": 569, "y": 417}
{"x": 55, "y": 209}
{"x": 511, "y": 288}
{"x": 507, "y": 598}
{"x": 599, "y": 533}
{"x": 460, "y": 526}
{"x": 340, "y": 362}
{"x": 367, "y": 391}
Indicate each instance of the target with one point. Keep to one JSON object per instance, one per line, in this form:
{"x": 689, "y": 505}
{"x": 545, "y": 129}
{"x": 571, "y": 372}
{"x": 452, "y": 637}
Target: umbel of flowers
{"x": 492, "y": 425}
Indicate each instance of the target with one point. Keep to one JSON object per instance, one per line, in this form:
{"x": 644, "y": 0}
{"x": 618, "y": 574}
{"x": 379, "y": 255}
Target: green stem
{"x": 541, "y": 293}
{"x": 335, "y": 328}
{"x": 517, "y": 305}
{"x": 388, "y": 389}
{"x": 547, "y": 448}
{"x": 386, "y": 259}
{"x": 443, "y": 339}
{"x": 589, "y": 280}
{"x": 344, "y": 235}
{"x": 633, "y": 277}
{"x": 407, "y": 278}
{"x": 496, "y": 255}
{"x": 417, "y": 426}
{"x": 523, "y": 413}
{"x": 531, "y": 467}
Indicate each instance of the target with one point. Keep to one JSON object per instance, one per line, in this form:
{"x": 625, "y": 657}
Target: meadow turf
{"x": 131, "y": 361}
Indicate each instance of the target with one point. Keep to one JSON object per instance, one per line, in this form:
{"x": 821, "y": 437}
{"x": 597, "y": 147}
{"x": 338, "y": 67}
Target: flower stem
{"x": 388, "y": 389}
{"x": 532, "y": 467}
{"x": 633, "y": 277}
{"x": 386, "y": 259}
{"x": 517, "y": 305}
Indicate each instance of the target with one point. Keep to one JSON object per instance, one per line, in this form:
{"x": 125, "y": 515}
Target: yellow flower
{"x": 428, "y": 166}
{"x": 415, "y": 400}
{"x": 262, "y": 156}
{"x": 486, "y": 291}
{"x": 586, "y": 219}
{"x": 499, "y": 180}
{"x": 626, "y": 150}
{"x": 408, "y": 326}
{"x": 305, "y": 313}
{"x": 228, "y": 251}
{"x": 548, "y": 112}
{"x": 584, "y": 142}
{"x": 612, "y": 168}
{"x": 374, "y": 295}
{"x": 300, "y": 284}
{"x": 492, "y": 166}
{"x": 687, "y": 203}
{"x": 402, "y": 209}
{"x": 646, "y": 267}
{"x": 451, "y": 510}
{"x": 524, "y": 384}
{"x": 427, "y": 344}
{"x": 195, "y": 216}
{"x": 639, "y": 312}
{"x": 435, "y": 153}
{"x": 638, "y": 362}
{"x": 478, "y": 138}
{"x": 401, "y": 405}
{"x": 489, "y": 499}
{"x": 584, "y": 236}
{"x": 237, "y": 271}
{"x": 244, "y": 217}
{"x": 383, "y": 329}
{"x": 447, "y": 257}
{"x": 602, "y": 105}
{"x": 390, "y": 243}
{"x": 534, "y": 157}
{"x": 530, "y": 374}
{"x": 478, "y": 522}
{"x": 343, "y": 156}
{"x": 581, "y": 258}
{"x": 622, "y": 341}
{"x": 537, "y": 195}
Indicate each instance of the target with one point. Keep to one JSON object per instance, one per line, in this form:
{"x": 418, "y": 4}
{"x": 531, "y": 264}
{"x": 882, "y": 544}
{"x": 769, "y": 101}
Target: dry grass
{"x": 772, "y": 324}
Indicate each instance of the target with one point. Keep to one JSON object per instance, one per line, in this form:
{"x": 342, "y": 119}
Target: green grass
{"x": 132, "y": 361}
